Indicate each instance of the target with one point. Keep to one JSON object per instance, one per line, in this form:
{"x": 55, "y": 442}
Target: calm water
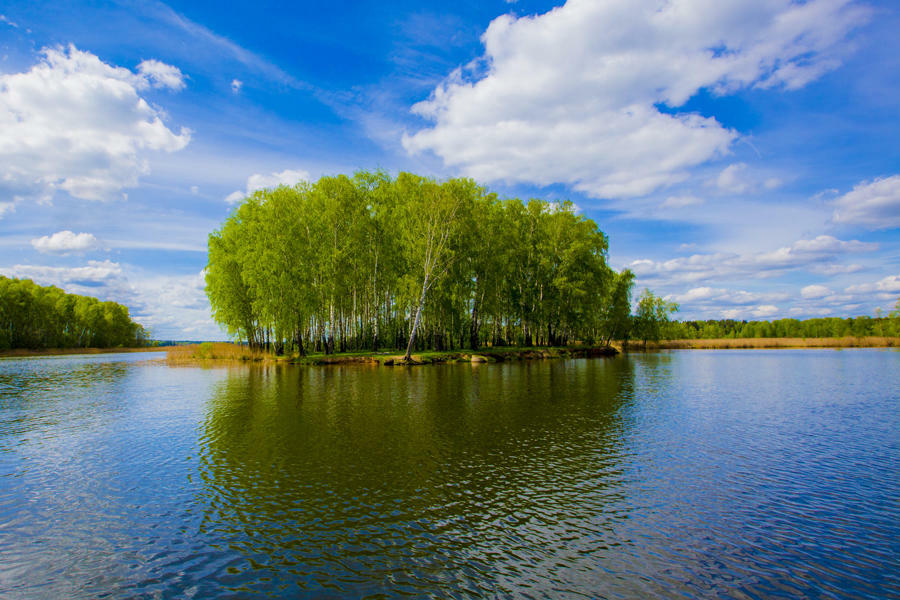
{"x": 740, "y": 474}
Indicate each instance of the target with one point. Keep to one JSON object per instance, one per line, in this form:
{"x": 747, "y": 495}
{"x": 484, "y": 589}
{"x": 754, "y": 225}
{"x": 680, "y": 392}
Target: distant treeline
{"x": 371, "y": 261}
{"x": 37, "y": 317}
{"x": 784, "y": 328}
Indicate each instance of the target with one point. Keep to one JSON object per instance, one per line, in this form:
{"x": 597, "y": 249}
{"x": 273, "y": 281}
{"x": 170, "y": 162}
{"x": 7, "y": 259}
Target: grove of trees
{"x": 37, "y": 317}
{"x": 808, "y": 328}
{"x": 410, "y": 263}
{"x": 370, "y": 261}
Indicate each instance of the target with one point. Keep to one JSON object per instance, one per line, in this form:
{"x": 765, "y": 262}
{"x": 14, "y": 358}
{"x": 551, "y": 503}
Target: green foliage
{"x": 369, "y": 261}
{"x": 652, "y": 316}
{"x": 37, "y": 317}
{"x": 827, "y": 327}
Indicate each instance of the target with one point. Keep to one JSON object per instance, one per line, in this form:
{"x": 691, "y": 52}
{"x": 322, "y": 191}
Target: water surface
{"x": 693, "y": 474}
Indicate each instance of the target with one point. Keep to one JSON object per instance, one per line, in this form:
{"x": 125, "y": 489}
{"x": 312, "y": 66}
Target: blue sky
{"x": 741, "y": 156}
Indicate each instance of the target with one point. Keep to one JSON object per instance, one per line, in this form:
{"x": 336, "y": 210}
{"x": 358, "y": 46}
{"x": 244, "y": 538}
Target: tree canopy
{"x": 861, "y": 326}
{"x": 369, "y": 260}
{"x": 652, "y": 316}
{"x": 37, "y": 317}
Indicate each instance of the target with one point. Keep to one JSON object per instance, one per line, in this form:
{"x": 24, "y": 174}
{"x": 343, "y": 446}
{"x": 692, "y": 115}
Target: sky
{"x": 742, "y": 157}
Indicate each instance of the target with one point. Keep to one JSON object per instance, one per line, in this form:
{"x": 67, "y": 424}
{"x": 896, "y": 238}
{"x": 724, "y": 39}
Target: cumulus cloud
{"x": 64, "y": 242}
{"x": 705, "y": 296}
{"x": 158, "y": 74}
{"x": 236, "y": 85}
{"x": 822, "y": 250}
{"x": 94, "y": 274}
{"x": 765, "y": 310}
{"x": 77, "y": 124}
{"x": 815, "y": 291}
{"x": 587, "y": 94}
{"x": 705, "y": 302}
{"x": 260, "y": 182}
{"x": 889, "y": 285}
{"x": 872, "y": 204}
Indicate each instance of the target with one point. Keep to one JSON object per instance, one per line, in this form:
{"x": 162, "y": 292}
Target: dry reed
{"x": 725, "y": 343}
{"x": 214, "y": 351}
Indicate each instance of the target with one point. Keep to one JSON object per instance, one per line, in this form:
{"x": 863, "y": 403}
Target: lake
{"x": 682, "y": 474}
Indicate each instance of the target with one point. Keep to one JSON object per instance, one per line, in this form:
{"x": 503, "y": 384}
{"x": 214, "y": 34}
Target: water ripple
{"x": 763, "y": 474}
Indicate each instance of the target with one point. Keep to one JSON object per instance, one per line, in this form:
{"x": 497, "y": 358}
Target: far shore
{"x": 736, "y": 343}
{"x": 24, "y": 352}
{"x": 227, "y": 352}
{"x": 223, "y": 352}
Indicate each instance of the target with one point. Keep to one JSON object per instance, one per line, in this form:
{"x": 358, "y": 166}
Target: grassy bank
{"x": 22, "y": 352}
{"x": 726, "y": 343}
{"x": 224, "y": 352}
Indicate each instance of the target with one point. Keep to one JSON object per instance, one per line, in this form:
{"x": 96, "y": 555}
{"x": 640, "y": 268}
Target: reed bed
{"x": 725, "y": 343}
{"x": 25, "y": 352}
{"x": 214, "y": 351}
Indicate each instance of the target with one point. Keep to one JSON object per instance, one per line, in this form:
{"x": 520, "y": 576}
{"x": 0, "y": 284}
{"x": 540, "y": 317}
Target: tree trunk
{"x": 412, "y": 334}
{"x": 329, "y": 343}
{"x": 473, "y": 331}
{"x": 375, "y": 299}
{"x": 298, "y": 342}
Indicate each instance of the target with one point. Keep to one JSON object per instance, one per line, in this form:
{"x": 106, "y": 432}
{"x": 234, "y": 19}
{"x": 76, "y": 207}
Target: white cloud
{"x": 63, "y": 242}
{"x": 815, "y": 291}
{"x": 890, "y": 284}
{"x": 836, "y": 269}
{"x": 700, "y": 293}
{"x": 708, "y": 296}
{"x": 94, "y": 274}
{"x": 236, "y": 85}
{"x": 7, "y": 207}
{"x": 762, "y": 311}
{"x": 158, "y": 74}
{"x": 573, "y": 95}
{"x": 872, "y": 204}
{"x": 4, "y": 19}
{"x": 813, "y": 300}
{"x": 681, "y": 201}
{"x": 235, "y": 197}
{"x": 255, "y": 182}
{"x": 822, "y": 250}
{"x": 765, "y": 310}
{"x": 738, "y": 179}
{"x": 77, "y": 124}
{"x": 733, "y": 180}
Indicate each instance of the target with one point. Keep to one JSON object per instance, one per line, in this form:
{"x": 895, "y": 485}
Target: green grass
{"x": 217, "y": 351}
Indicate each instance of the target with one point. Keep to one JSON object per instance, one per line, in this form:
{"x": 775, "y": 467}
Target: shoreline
{"x": 25, "y": 353}
{"x": 748, "y": 343}
{"x": 223, "y": 352}
{"x": 229, "y": 353}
